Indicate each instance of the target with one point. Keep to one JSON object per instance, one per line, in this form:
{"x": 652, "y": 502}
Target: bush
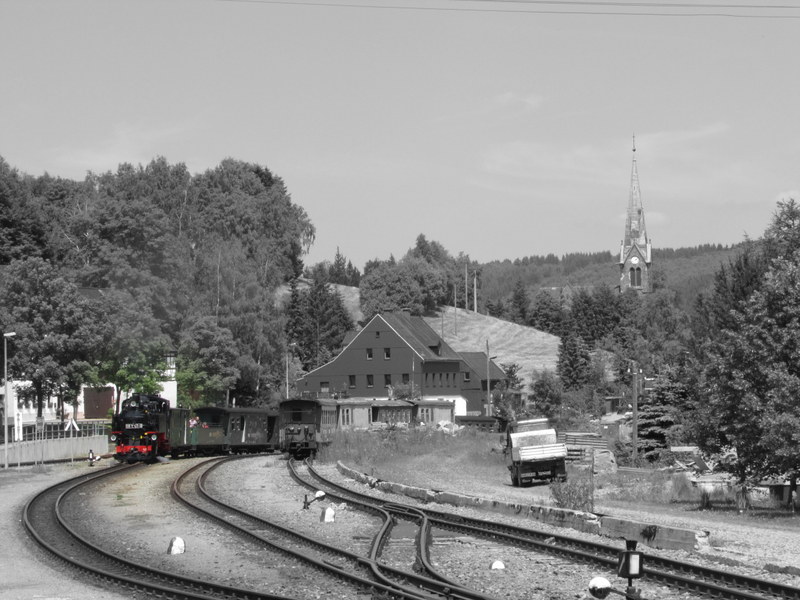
{"x": 577, "y": 493}
{"x": 682, "y": 488}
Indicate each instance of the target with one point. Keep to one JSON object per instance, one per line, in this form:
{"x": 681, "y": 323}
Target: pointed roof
{"x": 477, "y": 362}
{"x": 419, "y": 336}
{"x": 635, "y": 231}
{"x": 414, "y": 331}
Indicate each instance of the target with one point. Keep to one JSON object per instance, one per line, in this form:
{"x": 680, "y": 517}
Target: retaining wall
{"x": 655, "y": 536}
{"x": 54, "y": 449}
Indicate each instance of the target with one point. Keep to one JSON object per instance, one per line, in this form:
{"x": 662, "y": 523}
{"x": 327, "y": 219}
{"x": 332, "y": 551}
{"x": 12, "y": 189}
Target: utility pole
{"x": 636, "y": 385}
{"x": 455, "y": 309}
{"x": 488, "y": 383}
{"x": 466, "y": 286}
{"x": 475, "y": 292}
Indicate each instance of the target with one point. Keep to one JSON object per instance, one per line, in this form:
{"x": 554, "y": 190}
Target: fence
{"x": 580, "y": 445}
{"x": 54, "y": 430}
{"x": 54, "y": 449}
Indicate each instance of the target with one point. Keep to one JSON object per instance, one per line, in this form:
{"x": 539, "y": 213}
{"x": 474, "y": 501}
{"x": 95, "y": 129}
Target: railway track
{"x": 697, "y": 579}
{"x": 366, "y": 573}
{"x": 44, "y": 518}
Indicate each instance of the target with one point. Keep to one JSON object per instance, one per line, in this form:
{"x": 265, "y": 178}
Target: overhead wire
{"x": 568, "y": 7}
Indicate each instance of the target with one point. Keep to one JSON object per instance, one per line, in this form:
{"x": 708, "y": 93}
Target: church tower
{"x": 635, "y": 251}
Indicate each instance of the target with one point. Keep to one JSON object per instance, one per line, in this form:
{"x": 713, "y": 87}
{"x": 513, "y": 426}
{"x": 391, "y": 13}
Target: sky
{"x": 500, "y": 129}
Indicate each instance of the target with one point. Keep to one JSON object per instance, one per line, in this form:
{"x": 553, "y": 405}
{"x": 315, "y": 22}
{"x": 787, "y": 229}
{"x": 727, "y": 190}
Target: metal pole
{"x": 466, "y": 286}
{"x": 5, "y": 397}
{"x": 488, "y": 384}
{"x": 475, "y": 292}
{"x": 5, "y": 404}
{"x": 635, "y": 428}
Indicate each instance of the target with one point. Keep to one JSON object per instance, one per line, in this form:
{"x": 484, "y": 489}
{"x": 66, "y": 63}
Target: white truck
{"x": 533, "y": 452}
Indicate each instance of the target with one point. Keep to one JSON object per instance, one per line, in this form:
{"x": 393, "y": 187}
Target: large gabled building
{"x": 398, "y": 350}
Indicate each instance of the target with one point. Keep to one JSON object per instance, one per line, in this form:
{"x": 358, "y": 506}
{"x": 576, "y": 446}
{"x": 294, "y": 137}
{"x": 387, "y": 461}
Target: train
{"x": 306, "y": 425}
{"x": 147, "y": 428}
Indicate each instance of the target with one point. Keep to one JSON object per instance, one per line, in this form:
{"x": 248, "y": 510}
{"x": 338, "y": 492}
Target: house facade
{"x": 397, "y": 354}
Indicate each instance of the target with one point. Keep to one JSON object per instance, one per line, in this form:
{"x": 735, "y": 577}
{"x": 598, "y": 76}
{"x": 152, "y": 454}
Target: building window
{"x": 347, "y": 416}
{"x": 370, "y": 382}
{"x": 377, "y": 334}
{"x": 352, "y": 381}
{"x": 636, "y": 277}
{"x": 405, "y": 378}
{"x": 466, "y": 377}
{"x": 369, "y": 353}
{"x": 387, "y": 380}
{"x": 324, "y": 387}
{"x": 387, "y": 353}
{"x": 425, "y": 414}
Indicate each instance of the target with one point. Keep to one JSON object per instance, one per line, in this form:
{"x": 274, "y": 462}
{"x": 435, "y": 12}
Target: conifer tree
{"x": 574, "y": 362}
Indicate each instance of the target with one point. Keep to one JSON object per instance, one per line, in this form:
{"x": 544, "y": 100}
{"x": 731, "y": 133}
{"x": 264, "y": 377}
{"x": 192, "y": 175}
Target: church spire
{"x": 635, "y": 250}
{"x": 635, "y": 231}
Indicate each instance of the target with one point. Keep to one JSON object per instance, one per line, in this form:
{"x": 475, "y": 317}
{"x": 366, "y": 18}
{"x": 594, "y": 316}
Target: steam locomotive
{"x": 146, "y": 428}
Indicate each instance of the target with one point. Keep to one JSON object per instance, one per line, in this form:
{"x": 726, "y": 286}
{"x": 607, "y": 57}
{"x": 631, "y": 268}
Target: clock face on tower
{"x": 635, "y": 260}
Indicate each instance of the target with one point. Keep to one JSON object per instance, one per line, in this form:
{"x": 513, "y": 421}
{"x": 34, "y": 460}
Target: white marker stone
{"x": 176, "y": 546}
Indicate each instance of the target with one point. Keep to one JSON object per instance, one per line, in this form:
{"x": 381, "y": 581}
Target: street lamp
{"x": 5, "y": 397}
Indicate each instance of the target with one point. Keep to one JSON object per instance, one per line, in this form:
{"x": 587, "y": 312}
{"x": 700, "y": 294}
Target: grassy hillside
{"x": 466, "y": 331}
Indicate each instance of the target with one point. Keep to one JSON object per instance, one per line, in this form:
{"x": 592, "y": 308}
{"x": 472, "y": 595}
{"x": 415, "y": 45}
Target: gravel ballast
{"x": 137, "y": 517}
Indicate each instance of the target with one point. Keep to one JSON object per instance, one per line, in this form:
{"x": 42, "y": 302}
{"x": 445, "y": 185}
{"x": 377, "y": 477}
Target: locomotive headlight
{"x": 113, "y": 437}
{"x": 153, "y": 437}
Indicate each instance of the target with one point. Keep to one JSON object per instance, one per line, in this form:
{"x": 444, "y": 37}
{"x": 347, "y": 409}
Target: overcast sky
{"x": 499, "y": 129}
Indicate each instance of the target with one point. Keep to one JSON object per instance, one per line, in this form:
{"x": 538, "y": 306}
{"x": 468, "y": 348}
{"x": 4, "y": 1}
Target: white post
{"x": 5, "y": 397}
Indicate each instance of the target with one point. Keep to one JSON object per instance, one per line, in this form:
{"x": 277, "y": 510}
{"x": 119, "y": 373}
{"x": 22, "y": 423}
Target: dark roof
{"x": 477, "y": 362}
{"x": 419, "y": 336}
